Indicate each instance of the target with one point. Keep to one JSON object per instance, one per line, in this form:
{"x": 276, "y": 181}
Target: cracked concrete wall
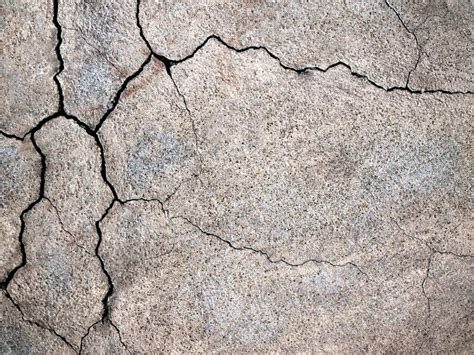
{"x": 256, "y": 176}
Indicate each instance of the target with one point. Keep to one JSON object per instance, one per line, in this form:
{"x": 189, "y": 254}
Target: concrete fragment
{"x": 449, "y": 288}
{"x": 62, "y": 284}
{"x": 313, "y": 165}
{"x": 101, "y": 48}
{"x": 28, "y": 65}
{"x": 19, "y": 187}
{"x": 149, "y": 142}
{"x": 74, "y": 181}
{"x": 444, "y": 30}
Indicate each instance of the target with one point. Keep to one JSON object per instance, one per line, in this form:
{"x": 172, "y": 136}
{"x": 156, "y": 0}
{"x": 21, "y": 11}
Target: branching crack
{"x": 266, "y": 255}
{"x": 173, "y": 62}
{"x": 103, "y": 321}
{"x": 433, "y": 251}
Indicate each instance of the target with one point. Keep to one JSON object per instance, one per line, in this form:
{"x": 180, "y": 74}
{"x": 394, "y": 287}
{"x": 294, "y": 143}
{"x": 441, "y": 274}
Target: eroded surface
{"x": 236, "y": 177}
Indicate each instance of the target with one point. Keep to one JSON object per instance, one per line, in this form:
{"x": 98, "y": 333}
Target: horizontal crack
{"x": 266, "y": 255}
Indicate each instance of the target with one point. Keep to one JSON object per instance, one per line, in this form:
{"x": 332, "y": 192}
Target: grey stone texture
{"x": 28, "y": 64}
{"x": 236, "y": 177}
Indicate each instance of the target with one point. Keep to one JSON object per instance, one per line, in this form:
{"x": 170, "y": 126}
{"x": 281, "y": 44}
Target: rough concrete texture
{"x": 28, "y": 64}
{"x": 240, "y": 177}
{"x": 101, "y": 48}
{"x": 20, "y": 180}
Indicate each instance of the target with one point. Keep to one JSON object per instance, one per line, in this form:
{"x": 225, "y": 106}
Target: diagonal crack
{"x": 63, "y": 227}
{"x": 118, "y": 94}
{"x": 37, "y": 324}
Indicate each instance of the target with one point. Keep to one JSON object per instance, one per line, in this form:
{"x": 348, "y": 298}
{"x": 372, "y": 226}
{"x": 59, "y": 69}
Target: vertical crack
{"x": 59, "y": 40}
{"x": 110, "y": 290}
{"x": 4, "y": 285}
{"x": 412, "y": 32}
{"x": 428, "y": 301}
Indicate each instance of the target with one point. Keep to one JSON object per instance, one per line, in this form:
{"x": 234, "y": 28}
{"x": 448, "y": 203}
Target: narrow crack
{"x": 303, "y": 70}
{"x": 266, "y": 255}
{"x": 119, "y": 335}
{"x": 428, "y": 300}
{"x": 103, "y": 321}
{"x": 412, "y": 32}
{"x": 63, "y": 227}
{"x": 110, "y": 290}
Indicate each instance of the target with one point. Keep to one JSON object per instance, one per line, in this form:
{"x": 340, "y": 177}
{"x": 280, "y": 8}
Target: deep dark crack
{"x": 59, "y": 40}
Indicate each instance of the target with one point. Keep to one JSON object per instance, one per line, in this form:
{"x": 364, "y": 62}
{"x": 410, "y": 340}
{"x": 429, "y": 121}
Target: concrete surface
{"x": 256, "y": 176}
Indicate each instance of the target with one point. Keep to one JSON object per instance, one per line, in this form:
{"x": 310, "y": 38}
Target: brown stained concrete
{"x": 257, "y": 176}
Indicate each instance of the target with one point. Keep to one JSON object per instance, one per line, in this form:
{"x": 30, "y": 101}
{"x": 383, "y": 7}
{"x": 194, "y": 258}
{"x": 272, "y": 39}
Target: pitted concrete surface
{"x": 256, "y": 176}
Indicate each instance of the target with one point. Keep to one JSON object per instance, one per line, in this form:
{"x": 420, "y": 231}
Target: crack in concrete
{"x": 38, "y": 324}
{"x": 10, "y": 136}
{"x": 57, "y": 49}
{"x": 266, "y": 255}
{"x": 63, "y": 227}
{"x": 103, "y": 321}
{"x": 319, "y": 69}
{"x": 118, "y": 94}
{"x": 412, "y": 32}
{"x": 433, "y": 251}
{"x": 169, "y": 63}
{"x": 4, "y": 284}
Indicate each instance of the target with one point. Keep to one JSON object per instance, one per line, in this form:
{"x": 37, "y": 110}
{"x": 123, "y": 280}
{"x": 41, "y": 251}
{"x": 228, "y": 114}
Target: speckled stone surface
{"x": 236, "y": 177}
{"x": 101, "y": 48}
{"x": 20, "y": 183}
{"x": 365, "y": 34}
{"x": 28, "y": 64}
{"x": 444, "y": 31}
